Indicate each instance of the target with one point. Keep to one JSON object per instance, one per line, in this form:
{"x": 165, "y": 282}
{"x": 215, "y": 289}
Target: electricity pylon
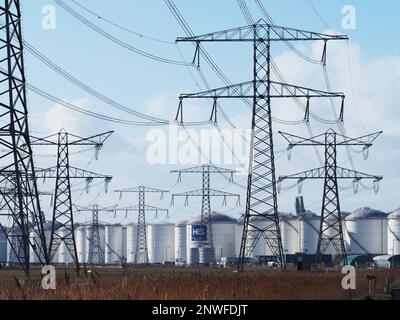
{"x": 331, "y": 231}
{"x": 96, "y": 254}
{"x": 63, "y": 173}
{"x": 206, "y": 193}
{"x": 261, "y": 188}
{"x": 141, "y": 252}
{"x": 16, "y": 161}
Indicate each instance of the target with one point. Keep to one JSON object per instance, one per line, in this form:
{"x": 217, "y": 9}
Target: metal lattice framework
{"x": 16, "y": 160}
{"x": 331, "y": 231}
{"x": 261, "y": 189}
{"x": 141, "y": 252}
{"x": 63, "y": 220}
{"x": 205, "y": 193}
{"x": 96, "y": 253}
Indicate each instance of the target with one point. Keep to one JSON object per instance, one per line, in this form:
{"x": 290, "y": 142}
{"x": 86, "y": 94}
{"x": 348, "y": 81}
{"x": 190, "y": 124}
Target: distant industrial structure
{"x": 370, "y": 235}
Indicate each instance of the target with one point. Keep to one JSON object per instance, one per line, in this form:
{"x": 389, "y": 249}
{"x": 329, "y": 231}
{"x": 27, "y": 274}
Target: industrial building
{"x": 371, "y": 236}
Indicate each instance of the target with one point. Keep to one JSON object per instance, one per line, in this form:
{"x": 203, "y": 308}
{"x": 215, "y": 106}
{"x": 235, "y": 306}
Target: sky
{"x": 366, "y": 69}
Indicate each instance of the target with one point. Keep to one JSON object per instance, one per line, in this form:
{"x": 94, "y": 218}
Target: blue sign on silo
{"x": 199, "y": 233}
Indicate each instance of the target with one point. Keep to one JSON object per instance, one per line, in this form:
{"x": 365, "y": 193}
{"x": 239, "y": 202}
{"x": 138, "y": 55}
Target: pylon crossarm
{"x": 98, "y": 208}
{"x": 200, "y": 193}
{"x": 141, "y": 189}
{"x": 137, "y": 208}
{"x": 95, "y": 140}
{"x": 245, "y": 90}
{"x": 208, "y": 168}
{"x": 74, "y": 173}
{"x": 246, "y": 34}
{"x": 319, "y": 173}
{"x": 319, "y": 140}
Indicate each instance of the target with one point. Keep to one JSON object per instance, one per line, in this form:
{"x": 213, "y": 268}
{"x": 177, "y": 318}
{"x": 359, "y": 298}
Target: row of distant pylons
{"x": 20, "y": 196}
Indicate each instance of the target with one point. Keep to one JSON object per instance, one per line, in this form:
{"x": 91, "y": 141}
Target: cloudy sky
{"x": 366, "y": 69}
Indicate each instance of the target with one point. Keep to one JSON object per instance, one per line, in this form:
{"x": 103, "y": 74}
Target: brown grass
{"x": 191, "y": 284}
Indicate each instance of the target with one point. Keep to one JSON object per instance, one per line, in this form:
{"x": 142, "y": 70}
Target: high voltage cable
{"x": 110, "y": 37}
{"x": 140, "y": 35}
{"x": 153, "y": 121}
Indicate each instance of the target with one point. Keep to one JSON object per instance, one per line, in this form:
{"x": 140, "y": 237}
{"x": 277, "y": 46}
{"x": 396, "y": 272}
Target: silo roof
{"x": 366, "y": 213}
{"x": 215, "y": 218}
{"x": 395, "y": 214}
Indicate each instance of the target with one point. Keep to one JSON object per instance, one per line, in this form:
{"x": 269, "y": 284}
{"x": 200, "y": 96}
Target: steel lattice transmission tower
{"x": 96, "y": 253}
{"x": 16, "y": 161}
{"x": 331, "y": 231}
{"x": 261, "y": 188}
{"x": 141, "y": 253}
{"x": 206, "y": 193}
{"x": 63, "y": 173}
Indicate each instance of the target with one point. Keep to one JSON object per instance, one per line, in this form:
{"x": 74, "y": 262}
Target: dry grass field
{"x": 192, "y": 284}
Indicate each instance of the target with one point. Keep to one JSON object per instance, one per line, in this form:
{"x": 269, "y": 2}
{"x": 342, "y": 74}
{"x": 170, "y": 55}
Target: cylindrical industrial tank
{"x": 238, "y": 237}
{"x": 367, "y": 232}
{"x": 88, "y": 242}
{"x": 113, "y": 244}
{"x": 180, "y": 243}
{"x": 333, "y": 232}
{"x": 196, "y": 236}
{"x": 289, "y": 224}
{"x": 131, "y": 239}
{"x": 224, "y": 236}
{"x": 80, "y": 238}
{"x": 309, "y": 225}
{"x": 124, "y": 234}
{"x": 15, "y": 238}
{"x": 3, "y": 247}
{"x": 34, "y": 238}
{"x": 394, "y": 233}
{"x": 261, "y": 247}
{"x": 161, "y": 242}
{"x": 64, "y": 256}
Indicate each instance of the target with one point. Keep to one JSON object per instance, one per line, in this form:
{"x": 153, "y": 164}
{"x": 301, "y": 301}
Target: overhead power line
{"x": 121, "y": 27}
{"x": 112, "y": 38}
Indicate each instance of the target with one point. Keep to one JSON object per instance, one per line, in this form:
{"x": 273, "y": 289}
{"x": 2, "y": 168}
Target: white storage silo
{"x": 131, "y": 240}
{"x": 224, "y": 236}
{"x": 394, "y": 233}
{"x": 161, "y": 242}
{"x": 124, "y": 234}
{"x": 12, "y": 251}
{"x": 64, "y": 256}
{"x": 180, "y": 242}
{"x": 289, "y": 224}
{"x": 367, "y": 232}
{"x": 309, "y": 225}
{"x": 197, "y": 233}
{"x": 238, "y": 236}
{"x": 34, "y": 238}
{"x": 261, "y": 247}
{"x": 333, "y": 232}
{"x": 88, "y": 230}
{"x": 113, "y": 244}
{"x": 80, "y": 239}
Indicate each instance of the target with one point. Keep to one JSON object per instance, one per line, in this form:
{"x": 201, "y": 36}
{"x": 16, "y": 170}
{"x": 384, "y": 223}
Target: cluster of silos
{"x": 366, "y": 231}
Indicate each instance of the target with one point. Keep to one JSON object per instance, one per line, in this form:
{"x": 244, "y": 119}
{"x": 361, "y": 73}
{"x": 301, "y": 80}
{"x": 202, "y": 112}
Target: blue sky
{"x": 142, "y": 83}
